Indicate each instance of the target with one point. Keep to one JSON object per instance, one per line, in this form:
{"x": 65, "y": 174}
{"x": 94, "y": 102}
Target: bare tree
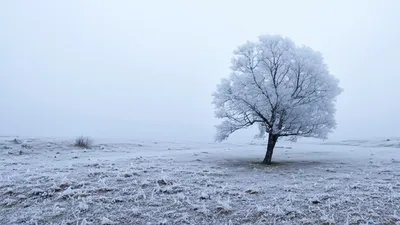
{"x": 285, "y": 89}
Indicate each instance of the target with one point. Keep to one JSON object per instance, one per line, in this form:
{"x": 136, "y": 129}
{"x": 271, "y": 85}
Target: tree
{"x": 285, "y": 89}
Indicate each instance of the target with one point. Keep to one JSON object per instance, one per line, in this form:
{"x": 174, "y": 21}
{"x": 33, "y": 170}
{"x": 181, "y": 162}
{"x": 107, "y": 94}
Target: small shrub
{"x": 83, "y": 142}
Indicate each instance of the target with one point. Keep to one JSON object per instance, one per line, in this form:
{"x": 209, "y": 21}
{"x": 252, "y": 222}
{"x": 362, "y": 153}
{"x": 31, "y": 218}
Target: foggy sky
{"x": 147, "y": 69}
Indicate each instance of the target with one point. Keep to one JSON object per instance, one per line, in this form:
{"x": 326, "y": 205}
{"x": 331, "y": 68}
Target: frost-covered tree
{"x": 285, "y": 89}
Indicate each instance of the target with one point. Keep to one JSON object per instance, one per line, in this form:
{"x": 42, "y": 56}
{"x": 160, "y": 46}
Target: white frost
{"x": 286, "y": 89}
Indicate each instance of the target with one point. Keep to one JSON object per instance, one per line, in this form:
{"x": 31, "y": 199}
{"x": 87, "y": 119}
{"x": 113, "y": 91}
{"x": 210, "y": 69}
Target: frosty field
{"x": 49, "y": 181}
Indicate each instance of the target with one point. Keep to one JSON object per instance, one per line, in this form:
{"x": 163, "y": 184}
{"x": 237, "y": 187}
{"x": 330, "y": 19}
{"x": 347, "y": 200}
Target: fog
{"x": 147, "y": 69}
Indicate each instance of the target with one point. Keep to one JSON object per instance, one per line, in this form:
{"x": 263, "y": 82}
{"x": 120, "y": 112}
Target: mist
{"x": 147, "y": 69}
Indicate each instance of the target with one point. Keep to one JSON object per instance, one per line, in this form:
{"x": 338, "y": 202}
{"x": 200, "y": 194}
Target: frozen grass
{"x": 383, "y": 142}
{"x": 129, "y": 182}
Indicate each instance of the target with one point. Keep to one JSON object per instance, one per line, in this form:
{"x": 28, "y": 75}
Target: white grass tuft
{"x": 106, "y": 221}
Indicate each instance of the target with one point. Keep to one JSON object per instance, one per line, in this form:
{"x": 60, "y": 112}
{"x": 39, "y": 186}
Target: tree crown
{"x": 285, "y": 89}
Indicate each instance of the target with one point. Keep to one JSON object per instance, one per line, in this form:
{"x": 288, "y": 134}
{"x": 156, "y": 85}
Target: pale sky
{"x": 147, "y": 69}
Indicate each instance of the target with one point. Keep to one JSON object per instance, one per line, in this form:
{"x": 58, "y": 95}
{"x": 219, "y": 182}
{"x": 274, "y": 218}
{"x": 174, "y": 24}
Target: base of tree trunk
{"x": 266, "y": 162}
{"x": 268, "y": 158}
{"x": 272, "y": 139}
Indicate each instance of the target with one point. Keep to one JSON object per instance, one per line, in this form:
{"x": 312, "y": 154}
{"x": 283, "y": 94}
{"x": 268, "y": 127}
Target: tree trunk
{"x": 272, "y": 139}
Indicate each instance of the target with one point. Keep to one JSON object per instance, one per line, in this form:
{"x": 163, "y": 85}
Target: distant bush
{"x": 83, "y": 142}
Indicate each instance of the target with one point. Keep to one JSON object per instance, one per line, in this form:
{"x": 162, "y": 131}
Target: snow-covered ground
{"x": 48, "y": 181}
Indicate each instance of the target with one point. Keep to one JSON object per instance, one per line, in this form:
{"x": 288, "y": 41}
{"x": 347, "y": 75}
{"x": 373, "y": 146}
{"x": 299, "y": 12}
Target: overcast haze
{"x": 147, "y": 69}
